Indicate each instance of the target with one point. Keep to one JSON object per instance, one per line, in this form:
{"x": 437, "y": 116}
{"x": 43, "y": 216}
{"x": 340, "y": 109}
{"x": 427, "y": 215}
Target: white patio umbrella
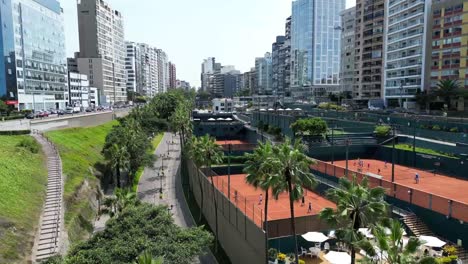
{"x": 315, "y": 237}
{"x": 271, "y": 109}
{"x": 366, "y": 232}
{"x": 211, "y": 119}
{"x": 297, "y": 109}
{"x": 430, "y": 241}
{"x": 220, "y": 119}
{"x": 288, "y": 109}
{"x": 262, "y": 109}
{"x": 336, "y": 257}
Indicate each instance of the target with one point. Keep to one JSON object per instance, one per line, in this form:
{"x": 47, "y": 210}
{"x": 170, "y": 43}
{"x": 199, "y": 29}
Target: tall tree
{"x": 260, "y": 174}
{"x": 293, "y": 167}
{"x": 447, "y": 89}
{"x": 389, "y": 246}
{"x": 213, "y": 154}
{"x": 358, "y": 206}
{"x": 118, "y": 158}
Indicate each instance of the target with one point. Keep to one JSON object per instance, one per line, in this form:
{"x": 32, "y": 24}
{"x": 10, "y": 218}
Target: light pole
{"x": 393, "y": 154}
{"x": 229, "y": 172}
{"x": 401, "y": 94}
{"x": 347, "y": 153}
{"x": 333, "y": 144}
{"x": 414, "y": 140}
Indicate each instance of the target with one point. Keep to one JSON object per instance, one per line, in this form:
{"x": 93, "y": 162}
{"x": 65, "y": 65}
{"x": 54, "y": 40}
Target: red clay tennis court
{"x": 430, "y": 182}
{"x": 231, "y": 142}
{"x": 247, "y": 199}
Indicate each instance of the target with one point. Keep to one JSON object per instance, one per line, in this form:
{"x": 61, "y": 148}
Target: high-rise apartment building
{"x": 447, "y": 47}
{"x": 102, "y": 49}
{"x": 172, "y": 75}
{"x": 250, "y": 81}
{"x": 132, "y": 67}
{"x": 369, "y": 50}
{"x": 405, "y": 49}
{"x": 347, "y": 71}
{"x": 315, "y": 46}
{"x": 207, "y": 68}
{"x": 163, "y": 71}
{"x": 263, "y": 69}
{"x": 281, "y": 75}
{"x": 33, "y": 72}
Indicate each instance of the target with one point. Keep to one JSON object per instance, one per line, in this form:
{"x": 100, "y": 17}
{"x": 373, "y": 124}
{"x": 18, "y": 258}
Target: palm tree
{"x": 121, "y": 199}
{"x": 118, "y": 158}
{"x": 146, "y": 258}
{"x": 357, "y": 206}
{"x": 389, "y": 246}
{"x": 197, "y": 155}
{"x": 212, "y": 154}
{"x": 260, "y": 174}
{"x": 447, "y": 89}
{"x": 291, "y": 165}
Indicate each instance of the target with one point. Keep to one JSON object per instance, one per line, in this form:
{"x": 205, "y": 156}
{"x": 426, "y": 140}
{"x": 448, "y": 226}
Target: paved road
{"x": 25, "y": 124}
{"x": 172, "y": 194}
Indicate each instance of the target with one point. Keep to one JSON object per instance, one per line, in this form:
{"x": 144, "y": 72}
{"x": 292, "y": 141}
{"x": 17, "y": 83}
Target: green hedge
{"x": 15, "y": 132}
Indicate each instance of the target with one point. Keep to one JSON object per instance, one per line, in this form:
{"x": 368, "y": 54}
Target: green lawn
{"x": 409, "y": 147}
{"x": 155, "y": 144}
{"x": 23, "y": 180}
{"x": 80, "y": 150}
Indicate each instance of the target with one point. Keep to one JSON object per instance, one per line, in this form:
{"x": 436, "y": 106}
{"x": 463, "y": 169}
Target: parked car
{"x": 89, "y": 110}
{"x": 30, "y": 115}
{"x": 53, "y": 111}
{"x": 69, "y": 111}
{"x": 60, "y": 112}
{"x": 42, "y": 114}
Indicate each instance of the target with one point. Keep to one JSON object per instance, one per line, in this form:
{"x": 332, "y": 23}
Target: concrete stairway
{"x": 48, "y": 240}
{"x": 419, "y": 228}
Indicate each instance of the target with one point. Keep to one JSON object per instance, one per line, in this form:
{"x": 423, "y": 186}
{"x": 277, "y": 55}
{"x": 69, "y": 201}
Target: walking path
{"x": 165, "y": 176}
{"x": 48, "y": 238}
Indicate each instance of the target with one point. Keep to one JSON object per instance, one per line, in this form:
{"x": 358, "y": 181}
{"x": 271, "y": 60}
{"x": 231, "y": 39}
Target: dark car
{"x": 30, "y": 116}
{"x": 60, "y": 112}
{"x": 53, "y": 111}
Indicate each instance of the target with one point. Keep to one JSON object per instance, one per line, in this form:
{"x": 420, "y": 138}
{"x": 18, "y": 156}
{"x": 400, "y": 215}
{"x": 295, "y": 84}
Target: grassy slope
{"x": 155, "y": 144}
{"x": 80, "y": 150}
{"x": 420, "y": 150}
{"x": 23, "y": 179}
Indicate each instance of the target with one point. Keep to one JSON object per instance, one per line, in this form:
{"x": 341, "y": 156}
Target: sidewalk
{"x": 151, "y": 182}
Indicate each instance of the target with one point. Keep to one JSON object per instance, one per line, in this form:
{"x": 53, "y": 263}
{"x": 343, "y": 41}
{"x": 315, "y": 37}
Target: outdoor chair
{"x": 326, "y": 246}
{"x": 303, "y": 252}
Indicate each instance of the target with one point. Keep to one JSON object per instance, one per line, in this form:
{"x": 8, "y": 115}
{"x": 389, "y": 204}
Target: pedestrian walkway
{"x": 161, "y": 185}
{"x": 48, "y": 237}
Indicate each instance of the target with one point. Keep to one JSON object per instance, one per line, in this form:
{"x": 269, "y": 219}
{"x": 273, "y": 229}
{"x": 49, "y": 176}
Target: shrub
{"x": 281, "y": 256}
{"x": 450, "y": 250}
{"x": 309, "y": 126}
{"x": 436, "y": 127}
{"x": 29, "y": 144}
{"x": 454, "y": 129}
{"x": 272, "y": 253}
{"x": 382, "y": 131}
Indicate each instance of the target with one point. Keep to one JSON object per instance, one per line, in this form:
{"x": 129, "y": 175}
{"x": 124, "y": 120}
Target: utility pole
{"x": 414, "y": 142}
{"x": 113, "y": 80}
{"x": 347, "y": 154}
{"x": 229, "y": 172}
{"x": 393, "y": 154}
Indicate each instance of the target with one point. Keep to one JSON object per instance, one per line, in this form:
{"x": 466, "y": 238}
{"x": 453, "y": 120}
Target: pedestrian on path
{"x": 235, "y": 196}
{"x": 416, "y": 178}
{"x": 260, "y": 199}
{"x": 378, "y": 172}
{"x": 310, "y": 208}
{"x": 303, "y": 201}
{"x": 385, "y": 164}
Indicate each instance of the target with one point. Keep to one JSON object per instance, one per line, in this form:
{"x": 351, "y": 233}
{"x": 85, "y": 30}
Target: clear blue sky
{"x": 233, "y": 31}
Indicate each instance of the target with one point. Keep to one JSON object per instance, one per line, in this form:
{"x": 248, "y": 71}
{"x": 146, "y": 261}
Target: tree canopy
{"x": 309, "y": 126}
{"x": 141, "y": 228}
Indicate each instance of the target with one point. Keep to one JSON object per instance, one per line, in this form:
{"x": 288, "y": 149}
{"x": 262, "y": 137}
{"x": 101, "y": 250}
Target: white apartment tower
{"x": 163, "y": 71}
{"x": 141, "y": 65}
{"x": 102, "y": 49}
{"x": 405, "y": 49}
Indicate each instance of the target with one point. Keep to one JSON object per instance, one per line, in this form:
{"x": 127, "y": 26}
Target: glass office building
{"x": 315, "y": 42}
{"x": 32, "y": 44}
